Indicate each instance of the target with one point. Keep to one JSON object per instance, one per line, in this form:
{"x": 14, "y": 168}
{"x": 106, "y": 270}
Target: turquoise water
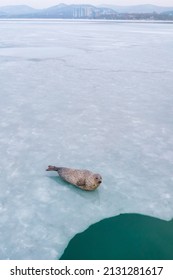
{"x": 125, "y": 237}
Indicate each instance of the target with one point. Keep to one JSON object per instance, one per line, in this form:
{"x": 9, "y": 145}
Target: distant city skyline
{"x": 48, "y": 3}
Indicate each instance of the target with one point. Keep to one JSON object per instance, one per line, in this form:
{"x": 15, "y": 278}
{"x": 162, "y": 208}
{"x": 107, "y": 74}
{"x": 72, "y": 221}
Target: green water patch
{"x": 124, "y": 237}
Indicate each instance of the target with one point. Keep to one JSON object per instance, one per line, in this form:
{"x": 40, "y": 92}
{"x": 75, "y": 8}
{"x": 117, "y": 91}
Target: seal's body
{"x": 83, "y": 179}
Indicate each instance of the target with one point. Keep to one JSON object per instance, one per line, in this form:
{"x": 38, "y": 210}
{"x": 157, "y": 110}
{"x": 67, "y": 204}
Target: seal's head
{"x": 98, "y": 179}
{"x": 92, "y": 181}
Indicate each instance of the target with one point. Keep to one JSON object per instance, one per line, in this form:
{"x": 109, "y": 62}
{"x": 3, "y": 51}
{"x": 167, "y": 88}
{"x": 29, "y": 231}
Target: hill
{"x": 138, "y": 12}
{"x": 146, "y": 8}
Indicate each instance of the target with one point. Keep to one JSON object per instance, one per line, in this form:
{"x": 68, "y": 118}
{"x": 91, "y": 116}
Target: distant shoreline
{"x": 87, "y": 11}
{"x": 87, "y": 20}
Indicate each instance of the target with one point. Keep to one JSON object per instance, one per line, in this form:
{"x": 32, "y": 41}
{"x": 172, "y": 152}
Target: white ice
{"x": 94, "y": 95}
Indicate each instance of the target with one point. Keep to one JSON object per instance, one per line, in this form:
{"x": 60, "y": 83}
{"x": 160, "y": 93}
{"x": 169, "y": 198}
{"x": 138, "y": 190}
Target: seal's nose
{"x": 99, "y": 182}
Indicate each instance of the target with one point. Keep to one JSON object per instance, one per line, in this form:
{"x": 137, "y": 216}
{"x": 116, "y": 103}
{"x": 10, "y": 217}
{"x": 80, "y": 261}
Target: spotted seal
{"x": 81, "y": 178}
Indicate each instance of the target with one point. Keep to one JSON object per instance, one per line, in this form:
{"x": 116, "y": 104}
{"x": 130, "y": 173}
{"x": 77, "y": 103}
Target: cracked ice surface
{"x": 94, "y": 95}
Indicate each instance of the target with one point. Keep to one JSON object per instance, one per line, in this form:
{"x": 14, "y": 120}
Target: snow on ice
{"x": 93, "y": 95}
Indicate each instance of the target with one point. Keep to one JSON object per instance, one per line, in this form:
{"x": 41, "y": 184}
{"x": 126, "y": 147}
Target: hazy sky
{"x": 48, "y": 3}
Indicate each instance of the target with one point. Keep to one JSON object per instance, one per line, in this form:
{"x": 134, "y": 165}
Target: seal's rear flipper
{"x": 52, "y": 168}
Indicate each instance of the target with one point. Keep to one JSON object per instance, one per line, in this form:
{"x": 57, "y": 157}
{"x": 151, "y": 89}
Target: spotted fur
{"x": 81, "y": 178}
